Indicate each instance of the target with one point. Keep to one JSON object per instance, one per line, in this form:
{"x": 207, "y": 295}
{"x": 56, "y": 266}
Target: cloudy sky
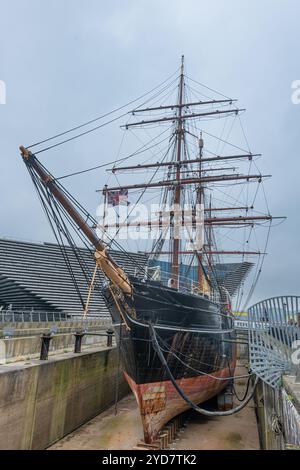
{"x": 67, "y": 61}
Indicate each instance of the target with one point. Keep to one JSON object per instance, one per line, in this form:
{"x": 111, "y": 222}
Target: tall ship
{"x": 180, "y": 201}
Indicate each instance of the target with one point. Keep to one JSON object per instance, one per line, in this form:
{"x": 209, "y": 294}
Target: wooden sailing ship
{"x": 184, "y": 309}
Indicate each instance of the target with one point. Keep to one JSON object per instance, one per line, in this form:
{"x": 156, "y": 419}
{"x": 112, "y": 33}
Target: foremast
{"x": 177, "y": 195}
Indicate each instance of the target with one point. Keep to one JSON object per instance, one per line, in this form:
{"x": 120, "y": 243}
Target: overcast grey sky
{"x": 66, "y": 61}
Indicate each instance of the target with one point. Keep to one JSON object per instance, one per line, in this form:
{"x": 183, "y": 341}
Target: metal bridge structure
{"x": 274, "y": 338}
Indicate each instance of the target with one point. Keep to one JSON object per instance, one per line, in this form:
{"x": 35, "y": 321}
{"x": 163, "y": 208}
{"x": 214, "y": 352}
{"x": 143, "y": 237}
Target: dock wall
{"x": 278, "y": 415}
{"x": 43, "y": 401}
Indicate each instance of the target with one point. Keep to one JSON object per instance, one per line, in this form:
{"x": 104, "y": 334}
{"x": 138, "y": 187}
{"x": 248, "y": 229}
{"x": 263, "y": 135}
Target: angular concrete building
{"x": 45, "y": 278}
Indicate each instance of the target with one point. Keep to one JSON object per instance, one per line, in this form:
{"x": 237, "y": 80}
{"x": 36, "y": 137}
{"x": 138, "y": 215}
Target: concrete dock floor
{"x": 123, "y": 431}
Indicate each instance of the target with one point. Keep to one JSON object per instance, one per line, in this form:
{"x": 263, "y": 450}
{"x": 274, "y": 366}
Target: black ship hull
{"x": 195, "y": 335}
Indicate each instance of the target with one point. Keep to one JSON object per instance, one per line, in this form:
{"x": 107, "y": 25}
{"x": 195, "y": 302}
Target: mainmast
{"x": 177, "y": 195}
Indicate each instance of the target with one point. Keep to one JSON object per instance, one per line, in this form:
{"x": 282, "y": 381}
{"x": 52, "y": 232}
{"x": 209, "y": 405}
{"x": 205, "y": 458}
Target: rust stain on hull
{"x": 159, "y": 402}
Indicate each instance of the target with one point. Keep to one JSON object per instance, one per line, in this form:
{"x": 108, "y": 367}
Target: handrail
{"x": 184, "y": 284}
{"x": 23, "y": 315}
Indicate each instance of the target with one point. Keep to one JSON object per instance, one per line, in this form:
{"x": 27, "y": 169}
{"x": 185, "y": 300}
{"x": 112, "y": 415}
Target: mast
{"x": 210, "y": 228}
{"x": 199, "y": 200}
{"x": 182, "y": 168}
{"x": 177, "y": 195}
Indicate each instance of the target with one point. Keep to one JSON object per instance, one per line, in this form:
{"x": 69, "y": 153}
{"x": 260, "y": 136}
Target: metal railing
{"x": 274, "y": 334}
{"x": 183, "y": 284}
{"x": 17, "y": 316}
{"x": 22, "y": 316}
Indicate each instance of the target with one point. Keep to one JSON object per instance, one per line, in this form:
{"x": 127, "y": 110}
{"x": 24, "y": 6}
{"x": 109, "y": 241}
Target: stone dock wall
{"x": 42, "y": 401}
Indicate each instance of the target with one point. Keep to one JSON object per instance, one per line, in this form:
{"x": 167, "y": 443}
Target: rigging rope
{"x": 140, "y": 150}
{"x": 208, "y": 88}
{"x": 64, "y": 230}
{"x": 157, "y": 91}
{"x": 141, "y": 195}
{"x": 99, "y": 117}
{"x": 51, "y": 216}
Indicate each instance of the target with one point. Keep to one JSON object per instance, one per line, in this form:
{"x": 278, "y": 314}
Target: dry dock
{"x": 122, "y": 431}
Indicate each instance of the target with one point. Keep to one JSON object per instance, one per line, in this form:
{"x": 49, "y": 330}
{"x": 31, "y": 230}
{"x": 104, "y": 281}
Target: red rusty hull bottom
{"x": 159, "y": 402}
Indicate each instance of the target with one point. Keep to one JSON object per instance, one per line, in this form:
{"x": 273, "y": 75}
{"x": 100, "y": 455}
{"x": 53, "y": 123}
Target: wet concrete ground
{"x": 123, "y": 431}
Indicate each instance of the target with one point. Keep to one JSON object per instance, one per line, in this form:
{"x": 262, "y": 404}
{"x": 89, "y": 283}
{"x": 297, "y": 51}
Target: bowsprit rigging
{"x": 176, "y": 311}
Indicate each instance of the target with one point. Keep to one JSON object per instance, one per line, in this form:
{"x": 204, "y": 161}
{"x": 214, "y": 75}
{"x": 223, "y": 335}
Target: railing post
{"x": 78, "y": 340}
{"x": 45, "y": 344}
{"x": 109, "y": 333}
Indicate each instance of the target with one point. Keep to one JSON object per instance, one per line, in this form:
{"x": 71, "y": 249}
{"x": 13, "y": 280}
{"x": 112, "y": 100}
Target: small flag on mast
{"x": 116, "y": 198}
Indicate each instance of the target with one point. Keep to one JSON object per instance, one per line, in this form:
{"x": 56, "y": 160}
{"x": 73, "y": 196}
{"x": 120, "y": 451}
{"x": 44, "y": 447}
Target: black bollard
{"x": 78, "y": 340}
{"x": 109, "y": 333}
{"x": 45, "y": 344}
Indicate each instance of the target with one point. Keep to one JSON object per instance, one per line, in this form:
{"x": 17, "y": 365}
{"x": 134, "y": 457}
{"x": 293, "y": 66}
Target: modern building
{"x": 43, "y": 277}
